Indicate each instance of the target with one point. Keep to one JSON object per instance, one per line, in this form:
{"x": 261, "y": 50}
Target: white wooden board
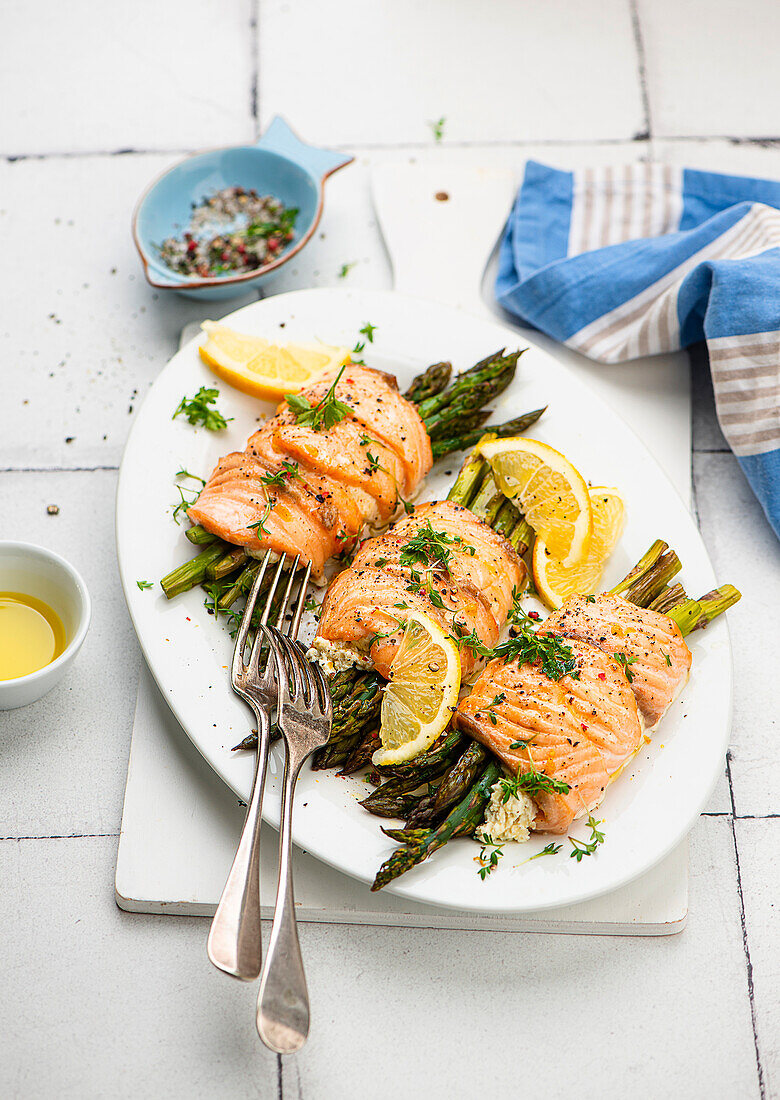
{"x": 180, "y": 824}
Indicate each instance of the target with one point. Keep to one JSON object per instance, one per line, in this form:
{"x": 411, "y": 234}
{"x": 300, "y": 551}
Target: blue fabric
{"x": 733, "y": 295}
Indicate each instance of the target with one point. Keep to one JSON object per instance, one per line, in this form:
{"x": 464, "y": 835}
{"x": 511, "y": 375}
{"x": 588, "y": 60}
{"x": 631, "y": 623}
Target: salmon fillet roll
{"x": 443, "y": 561}
{"x": 649, "y": 644}
{"x": 578, "y": 730}
{"x": 300, "y": 490}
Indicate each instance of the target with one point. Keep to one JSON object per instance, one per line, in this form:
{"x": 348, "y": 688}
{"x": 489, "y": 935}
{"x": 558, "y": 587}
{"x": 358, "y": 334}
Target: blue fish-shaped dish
{"x": 279, "y": 164}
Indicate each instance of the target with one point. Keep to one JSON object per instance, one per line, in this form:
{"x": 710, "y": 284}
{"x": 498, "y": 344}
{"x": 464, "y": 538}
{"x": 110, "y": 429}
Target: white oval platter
{"x": 655, "y": 802}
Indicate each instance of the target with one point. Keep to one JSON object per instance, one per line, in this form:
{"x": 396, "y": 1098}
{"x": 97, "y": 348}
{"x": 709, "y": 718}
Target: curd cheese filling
{"x": 512, "y": 819}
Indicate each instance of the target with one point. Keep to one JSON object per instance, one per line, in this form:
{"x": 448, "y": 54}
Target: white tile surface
{"x": 757, "y": 842}
{"x": 575, "y": 1015}
{"x": 513, "y": 70}
{"x": 148, "y": 1016}
{"x": 63, "y": 759}
{"x": 711, "y": 67}
{"x": 99, "y": 77}
{"x": 745, "y": 552}
{"x": 83, "y": 336}
{"x": 97, "y": 1003}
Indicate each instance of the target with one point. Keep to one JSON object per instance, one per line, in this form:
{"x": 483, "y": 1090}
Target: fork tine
{"x": 272, "y": 589}
{"x": 254, "y": 657}
{"x": 279, "y": 624}
{"x": 323, "y": 692}
{"x": 246, "y": 618}
{"x": 297, "y": 667}
{"x": 296, "y": 622}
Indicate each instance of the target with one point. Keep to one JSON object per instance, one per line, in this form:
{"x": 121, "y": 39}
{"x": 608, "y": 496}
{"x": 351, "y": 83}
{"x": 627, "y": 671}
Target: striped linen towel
{"x": 636, "y": 260}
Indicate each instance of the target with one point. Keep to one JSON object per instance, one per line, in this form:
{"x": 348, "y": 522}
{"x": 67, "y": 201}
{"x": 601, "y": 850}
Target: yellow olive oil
{"x": 31, "y": 635}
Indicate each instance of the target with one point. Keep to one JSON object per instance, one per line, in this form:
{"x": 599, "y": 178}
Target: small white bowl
{"x": 38, "y": 572}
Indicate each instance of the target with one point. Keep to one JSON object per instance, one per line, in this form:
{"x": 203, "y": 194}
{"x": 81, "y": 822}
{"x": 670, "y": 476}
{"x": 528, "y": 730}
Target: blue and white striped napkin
{"x": 623, "y": 262}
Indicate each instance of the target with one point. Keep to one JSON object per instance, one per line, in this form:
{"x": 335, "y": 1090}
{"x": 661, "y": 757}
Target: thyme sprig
{"x": 581, "y": 848}
{"x": 288, "y": 470}
{"x": 554, "y": 656}
{"x": 489, "y": 855}
{"x": 186, "y": 502}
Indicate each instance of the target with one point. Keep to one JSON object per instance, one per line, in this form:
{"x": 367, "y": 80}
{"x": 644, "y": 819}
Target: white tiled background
{"x": 94, "y": 101}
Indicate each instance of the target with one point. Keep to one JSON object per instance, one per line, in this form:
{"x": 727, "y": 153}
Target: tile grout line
{"x": 254, "y": 59}
{"x": 58, "y": 836}
{"x": 358, "y": 146}
{"x": 56, "y": 469}
{"x": 639, "y": 45}
{"x": 745, "y": 945}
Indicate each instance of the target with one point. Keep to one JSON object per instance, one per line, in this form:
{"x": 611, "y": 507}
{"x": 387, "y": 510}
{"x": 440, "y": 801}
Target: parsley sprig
{"x": 325, "y": 414}
{"x": 197, "y": 410}
{"x": 624, "y": 660}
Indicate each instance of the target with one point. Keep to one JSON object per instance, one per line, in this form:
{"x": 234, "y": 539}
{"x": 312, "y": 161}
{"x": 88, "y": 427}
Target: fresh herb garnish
{"x": 580, "y": 847}
{"x": 470, "y": 641}
{"x": 668, "y": 659}
{"x": 551, "y": 849}
{"x": 373, "y": 463}
{"x": 531, "y": 782}
{"x": 556, "y": 658}
{"x": 498, "y": 699}
{"x": 427, "y": 547}
{"x": 197, "y": 410}
{"x": 260, "y": 527}
{"x": 144, "y": 584}
{"x": 590, "y": 599}
{"x": 289, "y": 469}
{"x": 184, "y": 501}
{"x": 625, "y": 661}
{"x": 437, "y": 128}
{"x": 489, "y": 859}
{"x": 345, "y": 269}
{"x": 368, "y": 331}
{"x": 327, "y": 413}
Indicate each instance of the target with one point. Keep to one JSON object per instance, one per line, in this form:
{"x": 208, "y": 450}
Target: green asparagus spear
{"x": 465, "y": 440}
{"x": 193, "y": 572}
{"x": 419, "y": 844}
{"x": 454, "y": 785}
{"x": 429, "y": 383}
{"x": 229, "y": 563}
{"x": 200, "y": 536}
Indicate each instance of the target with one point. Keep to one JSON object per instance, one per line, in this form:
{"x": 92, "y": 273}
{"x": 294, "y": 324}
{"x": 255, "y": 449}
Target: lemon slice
{"x": 551, "y": 493}
{"x": 262, "y": 369}
{"x": 554, "y": 581}
{"x": 422, "y": 693}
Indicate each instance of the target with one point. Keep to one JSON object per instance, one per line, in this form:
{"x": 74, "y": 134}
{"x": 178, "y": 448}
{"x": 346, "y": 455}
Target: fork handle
{"x": 283, "y": 1001}
{"x": 235, "y": 944}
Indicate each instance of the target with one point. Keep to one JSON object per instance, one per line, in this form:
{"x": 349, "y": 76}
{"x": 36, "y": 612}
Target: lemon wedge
{"x": 551, "y": 493}
{"x": 554, "y": 581}
{"x": 262, "y": 369}
{"x": 422, "y": 693}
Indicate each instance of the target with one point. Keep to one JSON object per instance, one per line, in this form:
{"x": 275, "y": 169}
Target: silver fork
{"x": 305, "y": 717}
{"x": 234, "y": 943}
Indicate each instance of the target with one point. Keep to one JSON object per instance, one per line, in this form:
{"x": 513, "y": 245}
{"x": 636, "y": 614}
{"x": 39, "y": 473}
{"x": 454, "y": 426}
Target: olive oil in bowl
{"x": 31, "y": 635}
